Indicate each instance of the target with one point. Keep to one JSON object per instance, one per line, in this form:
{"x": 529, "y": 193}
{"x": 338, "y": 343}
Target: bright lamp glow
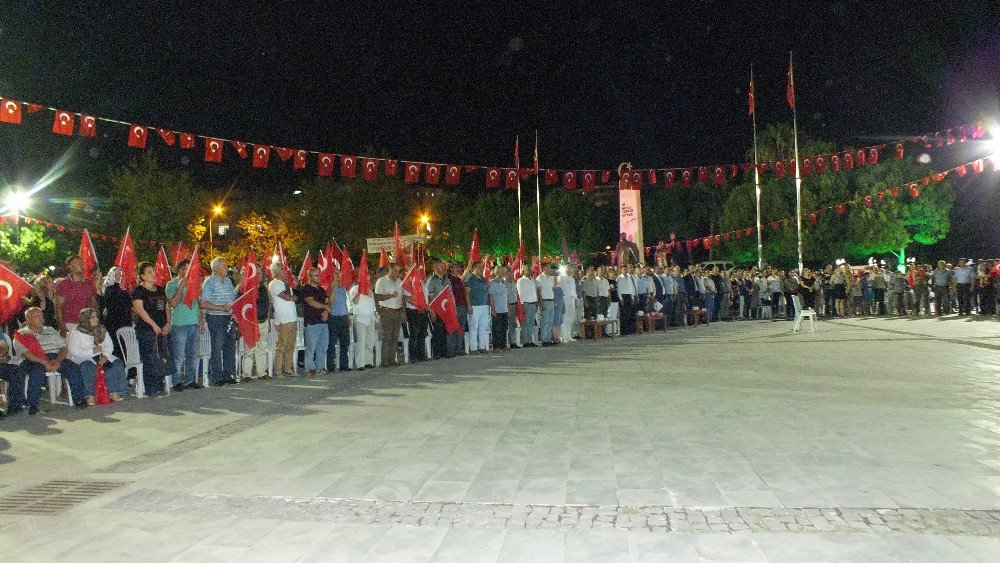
{"x": 17, "y": 200}
{"x": 217, "y": 210}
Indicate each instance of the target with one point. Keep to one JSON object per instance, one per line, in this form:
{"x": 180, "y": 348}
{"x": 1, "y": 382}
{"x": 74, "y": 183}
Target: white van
{"x": 723, "y": 265}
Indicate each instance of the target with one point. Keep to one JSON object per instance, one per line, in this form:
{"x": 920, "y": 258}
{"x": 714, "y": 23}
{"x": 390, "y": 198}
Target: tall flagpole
{"x": 756, "y": 173}
{"x": 538, "y": 198}
{"x": 517, "y": 170}
{"x": 798, "y": 177}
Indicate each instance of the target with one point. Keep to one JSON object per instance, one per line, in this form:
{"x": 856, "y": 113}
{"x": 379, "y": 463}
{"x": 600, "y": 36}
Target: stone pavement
{"x": 870, "y": 439}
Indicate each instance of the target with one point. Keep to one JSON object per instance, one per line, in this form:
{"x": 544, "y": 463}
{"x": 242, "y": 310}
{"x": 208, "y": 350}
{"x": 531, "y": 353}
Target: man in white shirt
{"x": 626, "y": 300}
{"x": 546, "y": 305}
{"x": 389, "y": 297}
{"x": 567, "y": 283}
{"x": 362, "y": 308}
{"x": 286, "y": 322}
{"x": 527, "y": 290}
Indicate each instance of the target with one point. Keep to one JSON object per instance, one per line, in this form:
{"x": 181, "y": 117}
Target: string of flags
{"x": 327, "y": 164}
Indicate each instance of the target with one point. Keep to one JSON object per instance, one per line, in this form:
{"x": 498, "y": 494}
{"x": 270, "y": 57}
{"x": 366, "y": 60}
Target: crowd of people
{"x": 70, "y": 325}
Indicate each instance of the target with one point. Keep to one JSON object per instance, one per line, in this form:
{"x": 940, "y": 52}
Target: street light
{"x": 216, "y": 211}
{"x": 425, "y": 221}
{"x": 16, "y": 201}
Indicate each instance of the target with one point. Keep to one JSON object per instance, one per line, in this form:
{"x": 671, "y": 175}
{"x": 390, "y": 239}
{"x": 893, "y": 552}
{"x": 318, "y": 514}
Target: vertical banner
{"x": 630, "y": 213}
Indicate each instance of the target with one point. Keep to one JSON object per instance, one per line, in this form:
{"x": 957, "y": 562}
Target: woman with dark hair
{"x": 89, "y": 347}
{"x": 152, "y": 324}
{"x": 116, "y": 307}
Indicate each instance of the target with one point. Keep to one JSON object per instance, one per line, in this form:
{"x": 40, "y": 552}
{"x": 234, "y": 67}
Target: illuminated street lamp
{"x": 425, "y": 221}
{"x": 16, "y": 201}
{"x": 216, "y": 211}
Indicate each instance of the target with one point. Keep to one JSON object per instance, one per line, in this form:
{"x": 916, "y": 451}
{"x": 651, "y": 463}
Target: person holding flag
{"x": 116, "y": 307}
{"x": 187, "y": 323}
{"x": 415, "y": 296}
{"x": 437, "y": 283}
{"x": 338, "y": 322}
{"x": 363, "y": 313}
{"x": 286, "y": 322}
{"x": 389, "y": 298}
{"x": 478, "y": 300}
{"x": 256, "y": 356}
{"x": 315, "y": 311}
{"x": 216, "y": 300}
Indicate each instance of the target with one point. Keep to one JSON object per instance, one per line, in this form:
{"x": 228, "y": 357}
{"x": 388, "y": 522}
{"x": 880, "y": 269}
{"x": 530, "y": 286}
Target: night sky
{"x": 658, "y": 86}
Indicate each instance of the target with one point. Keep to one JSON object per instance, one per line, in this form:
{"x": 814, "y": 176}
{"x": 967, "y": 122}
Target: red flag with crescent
{"x": 443, "y": 306}
{"x": 390, "y": 167}
{"x": 413, "y": 286}
{"x": 551, "y": 177}
{"x": 492, "y": 177}
{"x": 88, "y": 126}
{"x": 166, "y": 134}
{"x": 324, "y": 164}
{"x": 364, "y": 281}
{"x": 474, "y": 249}
{"x": 383, "y": 258}
{"x": 300, "y": 159}
{"x": 510, "y": 178}
{"x": 304, "y": 270}
{"x": 370, "y": 168}
{"x": 213, "y": 150}
{"x": 127, "y": 261}
{"x": 453, "y": 174}
{"x": 325, "y": 266}
{"x": 261, "y": 156}
{"x": 348, "y": 165}
{"x": 62, "y": 124}
{"x": 433, "y": 175}
{"x": 347, "y": 273}
{"x": 251, "y": 273}
{"x": 186, "y": 141}
{"x": 241, "y": 148}
{"x": 245, "y": 313}
{"x": 88, "y": 255}
{"x": 412, "y": 173}
{"x": 162, "y": 268}
{"x": 10, "y": 112}
{"x": 192, "y": 281}
{"x": 569, "y": 180}
{"x": 398, "y": 252}
{"x": 12, "y": 292}
{"x": 589, "y": 180}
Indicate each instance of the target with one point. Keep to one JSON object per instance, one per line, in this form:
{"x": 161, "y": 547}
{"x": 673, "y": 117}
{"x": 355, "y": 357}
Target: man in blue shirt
{"x": 964, "y": 274}
{"x": 339, "y": 325}
{"x": 941, "y": 278}
{"x": 217, "y": 296}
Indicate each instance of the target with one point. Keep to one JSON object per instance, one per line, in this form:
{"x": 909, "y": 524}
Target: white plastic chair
{"x": 300, "y": 340}
{"x": 204, "y": 356}
{"x": 130, "y": 350}
{"x": 801, "y": 314}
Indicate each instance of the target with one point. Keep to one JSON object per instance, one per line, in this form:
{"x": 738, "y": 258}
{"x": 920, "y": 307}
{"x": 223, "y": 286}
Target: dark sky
{"x": 657, "y": 83}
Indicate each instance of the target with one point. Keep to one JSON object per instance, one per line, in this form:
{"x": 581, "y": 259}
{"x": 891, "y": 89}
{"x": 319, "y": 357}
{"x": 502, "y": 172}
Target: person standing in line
{"x": 256, "y": 358}
{"x": 941, "y": 279}
{"x": 389, "y": 299}
{"x": 286, "y": 321}
{"x": 774, "y": 291}
{"x": 457, "y": 339}
{"x": 499, "y": 308}
{"x": 965, "y": 274}
{"x": 589, "y": 288}
{"x": 415, "y": 324}
{"x": 338, "y": 327}
{"x": 217, "y": 296}
{"x": 513, "y": 327}
{"x": 363, "y": 322}
{"x": 315, "y": 314}
{"x": 73, "y": 294}
{"x": 546, "y": 296}
{"x": 478, "y": 299}
{"x": 529, "y": 294}
{"x": 187, "y": 324}
{"x": 152, "y": 327}
{"x": 436, "y": 283}
{"x": 626, "y": 300}
{"x": 567, "y": 283}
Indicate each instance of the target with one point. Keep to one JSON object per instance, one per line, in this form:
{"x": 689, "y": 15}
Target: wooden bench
{"x": 699, "y": 316}
{"x": 653, "y": 318}
{"x": 596, "y": 326}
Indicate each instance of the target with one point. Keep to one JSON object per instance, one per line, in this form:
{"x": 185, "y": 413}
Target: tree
{"x": 29, "y": 248}
{"x": 156, "y": 203}
{"x": 261, "y": 234}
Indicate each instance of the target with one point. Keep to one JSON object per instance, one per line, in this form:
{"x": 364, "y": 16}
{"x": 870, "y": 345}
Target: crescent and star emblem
{"x": 243, "y": 311}
{"x": 213, "y": 146}
{"x": 11, "y": 106}
{"x": 137, "y": 131}
{"x": 326, "y": 160}
{"x": 7, "y": 286}
{"x": 63, "y": 117}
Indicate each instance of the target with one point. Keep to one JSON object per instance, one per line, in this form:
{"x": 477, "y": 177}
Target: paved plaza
{"x": 868, "y": 440}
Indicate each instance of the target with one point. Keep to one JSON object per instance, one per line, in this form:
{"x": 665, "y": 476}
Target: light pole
{"x": 216, "y": 211}
{"x": 16, "y": 201}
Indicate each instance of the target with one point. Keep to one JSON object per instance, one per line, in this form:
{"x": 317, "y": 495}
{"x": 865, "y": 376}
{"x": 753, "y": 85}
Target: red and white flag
{"x": 474, "y": 249}
{"x": 213, "y": 150}
{"x": 453, "y": 174}
{"x": 187, "y": 141}
{"x": 551, "y": 177}
{"x": 433, "y": 175}
{"x": 399, "y": 253}
{"x": 241, "y": 148}
{"x": 790, "y": 88}
{"x": 412, "y": 174}
{"x": 364, "y": 281}
{"x": 390, "y": 167}
{"x": 370, "y": 168}
{"x": 245, "y": 314}
{"x": 13, "y": 289}
{"x": 62, "y": 124}
{"x": 284, "y": 153}
{"x": 162, "y": 268}
{"x": 569, "y": 180}
{"x": 324, "y": 164}
{"x": 510, "y": 178}
{"x": 88, "y": 255}
{"x": 261, "y": 156}
{"x": 383, "y": 258}
{"x": 251, "y": 273}
{"x": 347, "y": 269}
{"x": 589, "y": 180}
{"x": 11, "y": 111}
{"x": 300, "y": 159}
{"x": 126, "y": 260}
{"x": 443, "y": 306}
{"x": 348, "y": 166}
{"x": 88, "y": 126}
{"x": 279, "y": 252}
{"x": 304, "y": 270}
{"x": 325, "y": 266}
{"x": 412, "y": 284}
{"x": 166, "y": 134}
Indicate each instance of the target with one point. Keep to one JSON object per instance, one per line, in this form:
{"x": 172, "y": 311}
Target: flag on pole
{"x": 383, "y": 259}
{"x": 399, "y": 253}
{"x": 88, "y": 255}
{"x": 162, "y": 268}
{"x": 443, "y": 306}
{"x": 474, "y": 250}
{"x": 364, "y": 282}
{"x": 304, "y": 270}
{"x": 347, "y": 274}
{"x": 251, "y": 273}
{"x": 487, "y": 270}
{"x": 127, "y": 261}
{"x": 11, "y": 300}
{"x": 413, "y": 285}
{"x": 325, "y": 266}
{"x": 192, "y": 282}
{"x": 245, "y": 313}
{"x": 790, "y": 89}
{"x": 750, "y": 99}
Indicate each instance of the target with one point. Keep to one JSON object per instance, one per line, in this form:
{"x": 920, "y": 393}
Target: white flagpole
{"x": 756, "y": 179}
{"x": 538, "y": 198}
{"x": 798, "y": 177}
{"x": 517, "y": 170}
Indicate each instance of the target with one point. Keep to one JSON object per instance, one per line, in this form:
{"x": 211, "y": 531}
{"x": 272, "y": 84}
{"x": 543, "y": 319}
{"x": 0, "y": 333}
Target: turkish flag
{"x": 668, "y": 178}
{"x": 279, "y": 251}
{"x": 569, "y": 180}
{"x": 820, "y": 164}
{"x": 790, "y": 88}
{"x": 213, "y": 150}
{"x": 300, "y": 159}
{"x": 364, "y": 281}
{"x": 433, "y": 175}
{"x": 348, "y": 165}
{"x": 807, "y": 166}
{"x": 167, "y": 135}
{"x": 370, "y": 168}
{"x": 241, "y": 148}
{"x": 88, "y": 255}
{"x": 443, "y": 306}
{"x": 12, "y": 292}
{"x": 551, "y": 177}
{"x": 487, "y": 270}
{"x": 686, "y": 177}
{"x": 180, "y": 253}
{"x": 251, "y": 273}
{"x": 126, "y": 260}
{"x": 589, "y": 180}
{"x": 335, "y": 253}
{"x": 860, "y": 160}
{"x": 261, "y": 156}
{"x": 398, "y": 252}
{"x": 390, "y": 167}
{"x": 978, "y": 166}
{"x": 11, "y": 112}
{"x": 848, "y": 161}
{"x": 652, "y": 176}
{"x": 835, "y": 162}
{"x": 162, "y": 268}
{"x": 412, "y": 284}
{"x": 383, "y": 258}
{"x": 702, "y": 174}
{"x": 245, "y": 314}
{"x": 88, "y": 126}
{"x": 474, "y": 249}
{"x": 899, "y": 150}
{"x": 779, "y": 169}
{"x": 719, "y": 175}
{"x": 453, "y": 174}
{"x": 510, "y": 178}
{"x": 347, "y": 273}
{"x": 325, "y": 266}
{"x": 63, "y": 122}
{"x": 304, "y": 270}
{"x": 873, "y": 156}
{"x": 284, "y": 153}
{"x": 605, "y": 176}
{"x": 492, "y": 177}
{"x": 412, "y": 174}
{"x": 187, "y": 141}
{"x": 325, "y": 164}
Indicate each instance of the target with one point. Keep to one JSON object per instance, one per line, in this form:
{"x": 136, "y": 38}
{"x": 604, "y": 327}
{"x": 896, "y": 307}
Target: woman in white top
{"x": 363, "y": 310}
{"x": 90, "y": 345}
